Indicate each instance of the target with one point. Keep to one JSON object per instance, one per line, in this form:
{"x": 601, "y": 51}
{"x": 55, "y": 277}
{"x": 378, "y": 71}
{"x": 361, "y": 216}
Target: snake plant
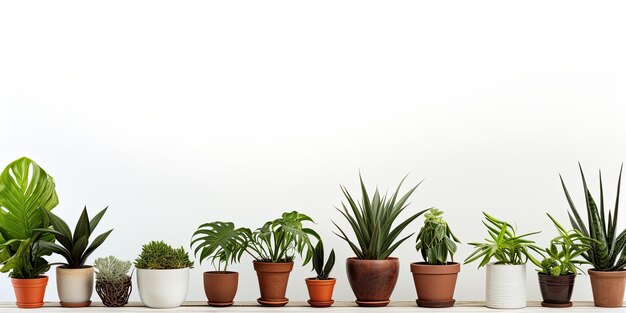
{"x": 322, "y": 269}
{"x": 608, "y": 250}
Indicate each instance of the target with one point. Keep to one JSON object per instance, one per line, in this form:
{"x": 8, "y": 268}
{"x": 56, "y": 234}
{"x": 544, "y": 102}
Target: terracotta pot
{"x": 372, "y": 281}
{"x": 608, "y": 288}
{"x": 320, "y": 291}
{"x": 29, "y": 292}
{"x": 220, "y": 287}
{"x": 75, "y": 286}
{"x": 435, "y": 284}
{"x": 273, "y": 279}
{"x": 556, "y": 291}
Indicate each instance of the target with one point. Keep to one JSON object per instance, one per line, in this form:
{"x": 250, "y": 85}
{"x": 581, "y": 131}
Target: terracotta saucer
{"x": 372, "y": 303}
{"x": 556, "y": 305}
{"x": 321, "y": 304}
{"x": 220, "y": 304}
{"x": 435, "y": 304}
{"x": 278, "y": 302}
{"x": 75, "y": 304}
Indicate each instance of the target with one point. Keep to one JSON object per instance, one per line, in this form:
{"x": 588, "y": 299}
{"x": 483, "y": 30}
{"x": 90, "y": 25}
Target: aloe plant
{"x": 322, "y": 269}
{"x": 608, "y": 251}
{"x": 25, "y": 189}
{"x": 220, "y": 242}
{"x": 372, "y": 222}
{"x": 435, "y": 240}
{"x": 75, "y": 248}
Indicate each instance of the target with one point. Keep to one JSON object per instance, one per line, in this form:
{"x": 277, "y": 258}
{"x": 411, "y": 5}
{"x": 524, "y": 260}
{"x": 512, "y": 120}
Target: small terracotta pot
{"x": 608, "y": 288}
{"x": 372, "y": 281}
{"x": 320, "y": 291}
{"x": 435, "y": 284}
{"x": 273, "y": 279}
{"x": 556, "y": 291}
{"x": 29, "y": 292}
{"x": 220, "y": 287}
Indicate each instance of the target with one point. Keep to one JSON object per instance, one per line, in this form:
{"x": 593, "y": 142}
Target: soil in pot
{"x": 273, "y": 279}
{"x": 435, "y": 284}
{"x": 608, "y": 288}
{"x": 75, "y": 286}
{"x": 114, "y": 294}
{"x": 556, "y": 291}
{"x": 220, "y": 287}
{"x": 320, "y": 291}
{"x": 372, "y": 281}
{"x": 29, "y": 293}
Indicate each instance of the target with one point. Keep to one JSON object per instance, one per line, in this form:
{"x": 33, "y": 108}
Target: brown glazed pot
{"x": 608, "y": 288}
{"x": 372, "y": 281}
{"x": 320, "y": 291}
{"x": 220, "y": 287}
{"x": 29, "y": 292}
{"x": 273, "y": 279}
{"x": 435, "y": 284}
{"x": 556, "y": 291}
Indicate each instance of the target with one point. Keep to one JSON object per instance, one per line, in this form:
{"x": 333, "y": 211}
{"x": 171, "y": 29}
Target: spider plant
{"x": 608, "y": 250}
{"x": 435, "y": 240}
{"x": 322, "y": 269}
{"x": 372, "y": 222}
{"x": 503, "y": 244}
{"x": 221, "y": 243}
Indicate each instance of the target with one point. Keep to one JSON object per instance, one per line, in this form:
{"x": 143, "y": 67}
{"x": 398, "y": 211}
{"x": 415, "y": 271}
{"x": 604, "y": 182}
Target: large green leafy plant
{"x": 25, "y": 189}
{"x": 75, "y": 248}
{"x": 608, "y": 250}
{"x": 435, "y": 240}
{"x": 372, "y": 222}
{"x": 281, "y": 239}
{"x": 503, "y": 244}
{"x": 220, "y": 242}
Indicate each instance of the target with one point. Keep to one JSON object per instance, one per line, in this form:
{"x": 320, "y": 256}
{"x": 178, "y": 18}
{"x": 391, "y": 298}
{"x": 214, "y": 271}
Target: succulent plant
{"x": 159, "y": 255}
{"x": 111, "y": 269}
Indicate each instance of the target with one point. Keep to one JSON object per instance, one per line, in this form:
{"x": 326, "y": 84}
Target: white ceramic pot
{"x": 163, "y": 289}
{"x": 75, "y": 286}
{"x": 506, "y": 286}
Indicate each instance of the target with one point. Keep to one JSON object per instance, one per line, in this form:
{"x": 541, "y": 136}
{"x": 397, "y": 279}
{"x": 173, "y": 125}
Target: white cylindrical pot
{"x": 75, "y": 286}
{"x": 163, "y": 289}
{"x": 506, "y": 286}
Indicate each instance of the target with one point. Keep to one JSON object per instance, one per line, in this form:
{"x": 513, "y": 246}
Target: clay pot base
{"x": 220, "y": 304}
{"x": 556, "y": 305}
{"x": 28, "y": 305}
{"x": 280, "y": 302}
{"x": 372, "y": 303}
{"x": 320, "y": 304}
{"x": 75, "y": 304}
{"x": 435, "y": 304}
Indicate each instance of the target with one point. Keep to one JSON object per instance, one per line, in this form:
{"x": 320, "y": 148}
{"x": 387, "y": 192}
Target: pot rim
{"x": 162, "y": 269}
{"x": 437, "y": 265}
{"x": 66, "y": 267}
{"x": 355, "y": 259}
{"x": 548, "y": 275}
{"x": 509, "y": 265}
{"x": 266, "y": 262}
{"x": 220, "y": 273}
{"x": 324, "y": 280}
{"x": 41, "y": 277}
{"x": 593, "y": 272}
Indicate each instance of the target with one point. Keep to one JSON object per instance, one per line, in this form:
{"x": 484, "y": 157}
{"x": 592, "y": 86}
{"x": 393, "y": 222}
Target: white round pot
{"x": 506, "y": 286}
{"x": 163, "y": 289}
{"x": 75, "y": 286}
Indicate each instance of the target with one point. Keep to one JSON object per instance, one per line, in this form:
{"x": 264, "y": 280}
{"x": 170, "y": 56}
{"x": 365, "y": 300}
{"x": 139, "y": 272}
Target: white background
{"x": 177, "y": 113}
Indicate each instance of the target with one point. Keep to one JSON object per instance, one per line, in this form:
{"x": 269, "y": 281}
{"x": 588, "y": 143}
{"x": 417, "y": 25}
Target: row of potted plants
{"x": 29, "y": 232}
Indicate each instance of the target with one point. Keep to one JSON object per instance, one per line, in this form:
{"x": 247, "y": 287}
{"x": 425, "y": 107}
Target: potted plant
{"x": 607, "y": 254}
{"x": 274, "y": 247}
{"x": 435, "y": 278}
{"x": 321, "y": 286}
{"x": 373, "y": 273}
{"x": 113, "y": 283}
{"x": 24, "y": 189}
{"x": 223, "y": 244}
{"x": 506, "y": 277}
{"x": 162, "y": 275}
{"x": 74, "y": 278}
{"x": 557, "y": 271}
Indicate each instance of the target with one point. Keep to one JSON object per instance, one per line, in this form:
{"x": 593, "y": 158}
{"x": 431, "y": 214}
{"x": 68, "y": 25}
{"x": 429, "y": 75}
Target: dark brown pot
{"x": 435, "y": 284}
{"x": 608, "y": 288}
{"x": 556, "y": 290}
{"x": 220, "y": 287}
{"x": 273, "y": 279}
{"x": 320, "y": 291}
{"x": 372, "y": 281}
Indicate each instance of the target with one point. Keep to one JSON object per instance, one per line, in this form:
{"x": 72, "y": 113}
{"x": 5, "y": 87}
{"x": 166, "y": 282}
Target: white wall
{"x": 176, "y": 113}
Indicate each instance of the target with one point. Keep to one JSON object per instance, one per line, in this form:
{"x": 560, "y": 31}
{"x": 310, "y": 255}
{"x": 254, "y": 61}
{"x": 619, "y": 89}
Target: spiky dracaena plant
{"x": 372, "y": 222}
{"x": 608, "y": 250}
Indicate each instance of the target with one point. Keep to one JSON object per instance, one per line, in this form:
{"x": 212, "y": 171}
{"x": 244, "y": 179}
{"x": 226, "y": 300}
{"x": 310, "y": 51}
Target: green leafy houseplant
{"x": 372, "y": 222}
{"x": 24, "y": 189}
{"x": 220, "y": 242}
{"x": 279, "y": 241}
{"x": 322, "y": 269}
{"x": 159, "y": 255}
{"x": 75, "y": 248}
{"x": 503, "y": 244}
{"x": 435, "y": 240}
{"x": 113, "y": 282}
{"x": 608, "y": 248}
